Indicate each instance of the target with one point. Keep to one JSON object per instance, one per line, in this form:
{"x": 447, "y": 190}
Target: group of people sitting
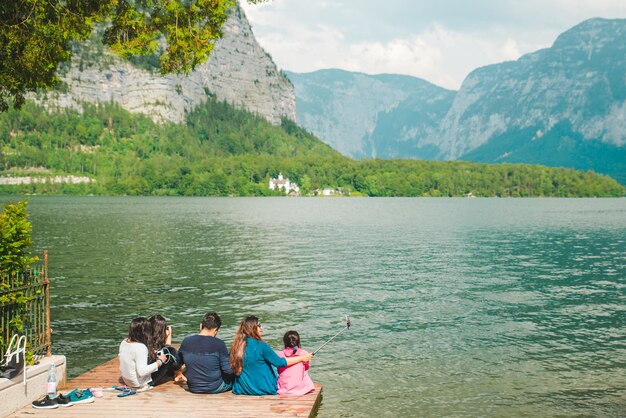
{"x": 147, "y": 359}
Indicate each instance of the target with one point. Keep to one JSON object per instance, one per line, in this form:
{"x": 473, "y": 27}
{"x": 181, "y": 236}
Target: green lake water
{"x": 460, "y": 307}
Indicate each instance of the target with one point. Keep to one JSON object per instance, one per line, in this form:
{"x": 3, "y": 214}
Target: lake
{"x": 459, "y": 307}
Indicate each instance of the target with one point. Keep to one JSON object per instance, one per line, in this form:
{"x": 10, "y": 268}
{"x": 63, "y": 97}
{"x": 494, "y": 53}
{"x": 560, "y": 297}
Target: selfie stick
{"x": 348, "y": 323}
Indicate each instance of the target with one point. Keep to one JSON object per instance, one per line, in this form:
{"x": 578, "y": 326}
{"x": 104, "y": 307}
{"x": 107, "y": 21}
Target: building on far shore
{"x": 284, "y": 185}
{"x": 330, "y": 191}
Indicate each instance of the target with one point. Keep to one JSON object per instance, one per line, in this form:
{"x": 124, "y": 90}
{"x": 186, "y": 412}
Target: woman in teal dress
{"x": 252, "y": 359}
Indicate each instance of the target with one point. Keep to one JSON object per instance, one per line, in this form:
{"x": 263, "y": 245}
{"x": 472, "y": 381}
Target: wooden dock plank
{"x": 173, "y": 400}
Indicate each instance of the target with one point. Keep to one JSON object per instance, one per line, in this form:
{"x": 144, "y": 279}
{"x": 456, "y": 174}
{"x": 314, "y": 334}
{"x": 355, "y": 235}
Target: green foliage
{"x": 190, "y": 29}
{"x": 560, "y": 146}
{"x": 15, "y": 298}
{"x": 34, "y": 39}
{"x": 221, "y": 151}
{"x": 15, "y": 239}
{"x": 36, "y": 36}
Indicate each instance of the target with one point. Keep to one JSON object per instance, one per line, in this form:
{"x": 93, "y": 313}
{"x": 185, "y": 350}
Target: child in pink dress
{"x": 294, "y": 380}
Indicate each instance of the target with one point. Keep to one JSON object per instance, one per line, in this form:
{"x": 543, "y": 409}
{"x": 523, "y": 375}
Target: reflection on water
{"x": 483, "y": 307}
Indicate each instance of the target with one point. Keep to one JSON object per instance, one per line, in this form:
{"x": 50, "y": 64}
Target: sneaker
{"x": 80, "y": 396}
{"x": 45, "y": 403}
{"x": 63, "y": 401}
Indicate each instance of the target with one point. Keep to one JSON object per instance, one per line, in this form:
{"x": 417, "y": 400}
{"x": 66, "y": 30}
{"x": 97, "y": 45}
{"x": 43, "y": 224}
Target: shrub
{"x": 15, "y": 239}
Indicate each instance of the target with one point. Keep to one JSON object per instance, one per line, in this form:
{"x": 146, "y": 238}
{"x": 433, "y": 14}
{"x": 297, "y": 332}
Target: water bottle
{"x": 51, "y": 386}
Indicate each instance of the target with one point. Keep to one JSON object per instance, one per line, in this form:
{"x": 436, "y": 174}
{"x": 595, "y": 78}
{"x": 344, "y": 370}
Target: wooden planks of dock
{"x": 172, "y": 400}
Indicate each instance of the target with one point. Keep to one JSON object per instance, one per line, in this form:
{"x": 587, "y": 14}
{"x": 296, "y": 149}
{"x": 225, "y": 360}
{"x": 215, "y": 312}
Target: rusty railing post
{"x": 46, "y": 281}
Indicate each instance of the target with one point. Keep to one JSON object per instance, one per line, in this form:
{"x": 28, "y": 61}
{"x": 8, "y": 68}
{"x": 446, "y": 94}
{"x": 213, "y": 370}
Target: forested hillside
{"x": 221, "y": 151}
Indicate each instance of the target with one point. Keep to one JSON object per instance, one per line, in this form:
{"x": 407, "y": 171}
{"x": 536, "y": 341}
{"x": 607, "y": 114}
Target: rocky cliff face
{"x": 368, "y": 116}
{"x": 238, "y": 71}
{"x": 580, "y": 80}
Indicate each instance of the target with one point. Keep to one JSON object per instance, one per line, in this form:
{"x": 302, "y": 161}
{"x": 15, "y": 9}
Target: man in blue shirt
{"x": 206, "y": 358}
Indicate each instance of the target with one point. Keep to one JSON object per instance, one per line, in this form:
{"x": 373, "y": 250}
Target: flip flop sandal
{"x": 127, "y": 392}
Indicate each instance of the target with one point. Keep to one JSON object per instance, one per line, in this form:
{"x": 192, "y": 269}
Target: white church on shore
{"x": 283, "y": 184}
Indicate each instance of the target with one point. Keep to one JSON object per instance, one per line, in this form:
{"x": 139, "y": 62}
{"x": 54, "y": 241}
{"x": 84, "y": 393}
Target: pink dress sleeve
{"x": 281, "y": 354}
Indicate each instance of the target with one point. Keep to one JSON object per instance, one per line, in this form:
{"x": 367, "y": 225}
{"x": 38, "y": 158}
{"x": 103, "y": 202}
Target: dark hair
{"x": 138, "y": 330}
{"x": 247, "y": 328}
{"x": 292, "y": 339}
{"x": 211, "y": 321}
{"x": 157, "y": 335}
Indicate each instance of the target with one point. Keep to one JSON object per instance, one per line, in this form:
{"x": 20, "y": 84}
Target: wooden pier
{"x": 173, "y": 400}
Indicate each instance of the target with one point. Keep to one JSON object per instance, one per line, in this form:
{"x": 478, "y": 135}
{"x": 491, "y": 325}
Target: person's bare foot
{"x": 179, "y": 377}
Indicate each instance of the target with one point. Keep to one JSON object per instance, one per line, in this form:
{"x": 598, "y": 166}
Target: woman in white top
{"x": 134, "y": 367}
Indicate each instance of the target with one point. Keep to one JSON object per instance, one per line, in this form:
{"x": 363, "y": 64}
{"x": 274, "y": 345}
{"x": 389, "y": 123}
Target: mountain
{"x": 369, "y": 116}
{"x": 238, "y": 71}
{"x": 560, "y": 106}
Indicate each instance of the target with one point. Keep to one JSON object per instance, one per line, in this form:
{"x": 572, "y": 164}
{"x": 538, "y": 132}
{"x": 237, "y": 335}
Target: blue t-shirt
{"x": 258, "y": 377}
{"x": 207, "y": 363}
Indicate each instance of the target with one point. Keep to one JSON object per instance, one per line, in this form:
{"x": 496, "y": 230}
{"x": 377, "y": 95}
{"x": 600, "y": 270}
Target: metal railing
{"x": 25, "y": 308}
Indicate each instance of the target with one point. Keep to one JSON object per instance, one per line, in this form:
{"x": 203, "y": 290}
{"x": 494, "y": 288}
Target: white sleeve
{"x": 141, "y": 361}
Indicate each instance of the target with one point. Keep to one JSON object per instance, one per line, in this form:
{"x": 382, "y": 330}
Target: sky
{"x": 441, "y": 41}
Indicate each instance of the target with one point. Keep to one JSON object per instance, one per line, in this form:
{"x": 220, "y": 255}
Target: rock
{"x": 369, "y": 116}
{"x": 580, "y": 80}
{"x": 238, "y": 71}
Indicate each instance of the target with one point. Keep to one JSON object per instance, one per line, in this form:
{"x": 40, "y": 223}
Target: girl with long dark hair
{"x": 252, "y": 359}
{"x": 160, "y": 340}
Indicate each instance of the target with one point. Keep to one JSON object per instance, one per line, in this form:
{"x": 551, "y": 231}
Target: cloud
{"x": 413, "y": 55}
{"x": 304, "y": 48}
{"x": 438, "y": 55}
{"x": 438, "y": 41}
{"x": 510, "y": 50}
